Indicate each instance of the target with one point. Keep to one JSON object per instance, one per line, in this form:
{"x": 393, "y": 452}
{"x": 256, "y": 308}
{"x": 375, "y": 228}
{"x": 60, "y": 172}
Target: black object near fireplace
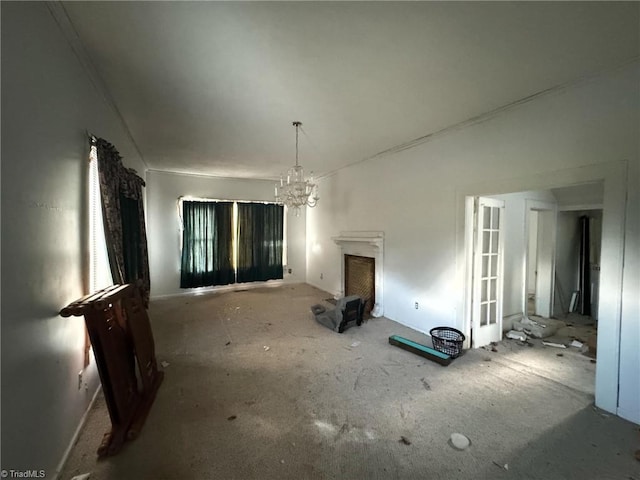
{"x": 348, "y": 312}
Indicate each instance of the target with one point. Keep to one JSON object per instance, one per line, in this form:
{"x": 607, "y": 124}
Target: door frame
{"x": 614, "y": 176}
{"x": 539, "y": 206}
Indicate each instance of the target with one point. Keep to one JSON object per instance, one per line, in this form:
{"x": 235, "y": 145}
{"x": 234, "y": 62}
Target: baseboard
{"x": 227, "y": 288}
{"x": 631, "y": 415}
{"x": 334, "y": 294}
{"x": 76, "y": 434}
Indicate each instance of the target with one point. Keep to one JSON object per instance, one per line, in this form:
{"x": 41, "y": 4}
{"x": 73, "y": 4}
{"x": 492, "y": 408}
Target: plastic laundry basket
{"x": 447, "y": 340}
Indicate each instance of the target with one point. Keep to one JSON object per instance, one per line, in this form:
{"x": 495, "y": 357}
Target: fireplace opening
{"x": 360, "y": 279}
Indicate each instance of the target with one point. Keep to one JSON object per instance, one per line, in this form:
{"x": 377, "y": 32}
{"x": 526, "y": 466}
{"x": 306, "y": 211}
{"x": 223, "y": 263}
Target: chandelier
{"x": 297, "y": 192}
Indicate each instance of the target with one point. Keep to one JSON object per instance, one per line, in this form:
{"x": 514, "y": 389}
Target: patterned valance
{"x": 122, "y": 201}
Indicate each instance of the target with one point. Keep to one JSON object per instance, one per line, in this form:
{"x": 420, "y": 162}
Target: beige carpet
{"x": 256, "y": 389}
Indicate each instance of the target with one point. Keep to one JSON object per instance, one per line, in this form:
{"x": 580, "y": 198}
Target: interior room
{"x": 470, "y": 167}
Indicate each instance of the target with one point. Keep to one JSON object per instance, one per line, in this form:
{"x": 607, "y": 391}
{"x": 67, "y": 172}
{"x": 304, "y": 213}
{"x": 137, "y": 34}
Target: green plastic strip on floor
{"x": 426, "y": 352}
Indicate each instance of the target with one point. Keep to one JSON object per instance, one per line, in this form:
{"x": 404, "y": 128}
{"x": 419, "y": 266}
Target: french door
{"x": 486, "y": 314}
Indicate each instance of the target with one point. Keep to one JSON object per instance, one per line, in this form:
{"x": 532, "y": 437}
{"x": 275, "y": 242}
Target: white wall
{"x": 629, "y": 406}
{"x": 163, "y": 191}
{"x": 47, "y": 104}
{"x": 532, "y": 251}
{"x": 416, "y": 197}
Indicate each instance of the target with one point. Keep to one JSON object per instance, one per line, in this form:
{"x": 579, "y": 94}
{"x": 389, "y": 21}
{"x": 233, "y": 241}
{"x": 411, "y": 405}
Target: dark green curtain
{"x": 260, "y": 241}
{"x": 206, "y": 244}
{"x": 131, "y": 239}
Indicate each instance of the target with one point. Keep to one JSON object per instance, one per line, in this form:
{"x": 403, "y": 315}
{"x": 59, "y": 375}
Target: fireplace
{"x": 363, "y": 267}
{"x": 360, "y": 279}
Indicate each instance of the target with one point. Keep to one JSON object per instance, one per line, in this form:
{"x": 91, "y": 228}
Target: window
{"x": 229, "y": 242}
{"x": 207, "y": 244}
{"x": 99, "y": 271}
{"x": 260, "y": 242}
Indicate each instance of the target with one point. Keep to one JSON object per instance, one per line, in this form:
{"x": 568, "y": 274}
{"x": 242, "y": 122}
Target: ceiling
{"x": 213, "y": 87}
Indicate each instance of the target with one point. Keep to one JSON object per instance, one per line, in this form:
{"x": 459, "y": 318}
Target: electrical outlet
{"x": 290, "y": 270}
{"x": 416, "y": 305}
{"x": 321, "y": 276}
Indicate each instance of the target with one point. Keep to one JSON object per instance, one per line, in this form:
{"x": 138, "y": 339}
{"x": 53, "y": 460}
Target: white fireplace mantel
{"x": 365, "y": 244}
{"x": 376, "y": 242}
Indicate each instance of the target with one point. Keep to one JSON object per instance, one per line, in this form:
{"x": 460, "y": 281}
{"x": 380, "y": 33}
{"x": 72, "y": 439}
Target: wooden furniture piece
{"x": 124, "y": 350}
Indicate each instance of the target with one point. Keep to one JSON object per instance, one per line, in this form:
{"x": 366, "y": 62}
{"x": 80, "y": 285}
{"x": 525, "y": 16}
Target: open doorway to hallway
{"x": 578, "y": 273}
{"x": 548, "y": 261}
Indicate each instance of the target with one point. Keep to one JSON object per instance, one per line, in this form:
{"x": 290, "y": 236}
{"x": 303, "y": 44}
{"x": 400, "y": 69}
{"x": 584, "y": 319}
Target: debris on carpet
{"x": 514, "y": 335}
{"x": 505, "y": 466}
{"x": 539, "y": 328}
{"x": 83, "y": 476}
{"x": 459, "y": 441}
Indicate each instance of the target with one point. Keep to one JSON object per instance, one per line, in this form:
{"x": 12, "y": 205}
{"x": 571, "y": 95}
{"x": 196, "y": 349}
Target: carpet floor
{"x": 255, "y": 389}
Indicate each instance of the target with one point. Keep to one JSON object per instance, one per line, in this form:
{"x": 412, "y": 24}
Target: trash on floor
{"x": 576, "y": 344}
{"x": 552, "y": 344}
{"x": 164, "y": 364}
{"x": 349, "y": 311}
{"x": 355, "y": 344}
{"x": 540, "y": 328}
{"x": 266, "y": 349}
{"x": 83, "y": 476}
{"x": 404, "y": 440}
{"x": 505, "y": 466}
{"x": 459, "y": 441}
{"x": 232, "y": 417}
{"x": 514, "y": 335}
{"x": 418, "y": 349}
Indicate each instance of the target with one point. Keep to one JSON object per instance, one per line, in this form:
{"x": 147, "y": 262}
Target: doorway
{"x": 611, "y": 177}
{"x": 578, "y": 272}
{"x": 539, "y": 273}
